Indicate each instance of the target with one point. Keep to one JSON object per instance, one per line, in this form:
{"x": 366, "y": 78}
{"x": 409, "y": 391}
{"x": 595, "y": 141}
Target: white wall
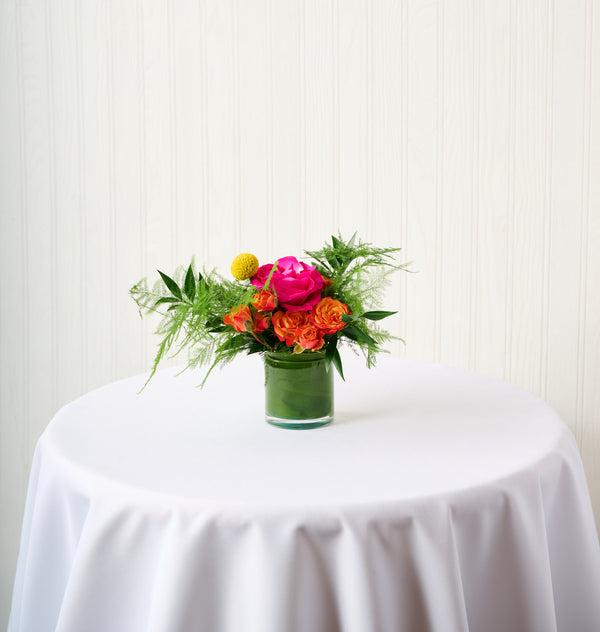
{"x": 136, "y": 133}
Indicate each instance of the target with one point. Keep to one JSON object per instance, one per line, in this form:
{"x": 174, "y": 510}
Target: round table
{"x": 439, "y": 499}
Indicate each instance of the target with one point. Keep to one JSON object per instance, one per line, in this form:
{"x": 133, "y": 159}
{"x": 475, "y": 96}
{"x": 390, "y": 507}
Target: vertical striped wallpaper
{"x": 137, "y": 134}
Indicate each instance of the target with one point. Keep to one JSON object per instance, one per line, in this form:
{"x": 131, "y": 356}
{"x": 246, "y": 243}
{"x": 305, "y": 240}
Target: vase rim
{"x": 295, "y": 357}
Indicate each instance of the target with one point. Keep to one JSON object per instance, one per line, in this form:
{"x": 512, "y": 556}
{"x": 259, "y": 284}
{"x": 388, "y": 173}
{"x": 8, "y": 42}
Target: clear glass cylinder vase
{"x": 298, "y": 390}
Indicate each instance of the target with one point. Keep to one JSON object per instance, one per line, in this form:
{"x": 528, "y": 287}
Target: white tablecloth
{"x": 438, "y": 500}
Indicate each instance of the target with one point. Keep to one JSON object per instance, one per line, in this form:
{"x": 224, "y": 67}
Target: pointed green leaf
{"x": 351, "y": 242}
{"x": 171, "y": 285}
{"x": 348, "y": 318}
{"x": 335, "y": 241}
{"x": 201, "y": 285}
{"x": 189, "y": 285}
{"x": 329, "y": 352}
{"x": 217, "y": 329}
{"x": 166, "y": 299}
{"x": 333, "y": 261}
{"x": 358, "y": 335}
{"x": 377, "y": 315}
{"x": 337, "y": 362}
{"x": 349, "y": 333}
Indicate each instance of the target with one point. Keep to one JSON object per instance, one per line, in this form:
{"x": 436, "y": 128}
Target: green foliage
{"x": 192, "y": 309}
{"x": 192, "y": 305}
{"x": 359, "y": 273}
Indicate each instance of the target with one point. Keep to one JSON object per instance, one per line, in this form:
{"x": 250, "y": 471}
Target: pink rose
{"x": 296, "y": 284}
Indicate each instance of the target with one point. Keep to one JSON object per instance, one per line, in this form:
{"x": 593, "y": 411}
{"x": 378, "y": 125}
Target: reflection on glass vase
{"x": 298, "y": 390}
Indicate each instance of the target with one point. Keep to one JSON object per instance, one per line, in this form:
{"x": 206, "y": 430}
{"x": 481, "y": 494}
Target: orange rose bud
{"x": 261, "y": 322}
{"x": 264, "y": 301}
{"x": 309, "y": 337}
{"x": 326, "y": 315}
{"x": 239, "y": 318}
{"x": 326, "y": 281}
{"x": 286, "y": 325}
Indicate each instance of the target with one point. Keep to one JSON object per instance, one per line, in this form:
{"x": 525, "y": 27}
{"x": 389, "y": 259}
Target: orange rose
{"x": 326, "y": 281}
{"x": 326, "y": 315}
{"x": 261, "y": 322}
{"x": 239, "y": 318}
{"x": 309, "y": 337}
{"x": 286, "y": 325}
{"x": 264, "y": 301}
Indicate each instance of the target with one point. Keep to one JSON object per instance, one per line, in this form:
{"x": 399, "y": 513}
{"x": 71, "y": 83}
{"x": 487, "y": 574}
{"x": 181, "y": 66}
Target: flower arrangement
{"x": 288, "y": 306}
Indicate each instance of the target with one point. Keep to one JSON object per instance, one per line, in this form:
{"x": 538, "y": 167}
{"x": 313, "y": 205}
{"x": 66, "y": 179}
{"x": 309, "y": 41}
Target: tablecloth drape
{"x": 439, "y": 499}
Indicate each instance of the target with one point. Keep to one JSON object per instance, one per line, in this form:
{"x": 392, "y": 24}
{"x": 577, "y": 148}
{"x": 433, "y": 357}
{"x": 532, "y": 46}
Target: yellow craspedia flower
{"x": 244, "y": 266}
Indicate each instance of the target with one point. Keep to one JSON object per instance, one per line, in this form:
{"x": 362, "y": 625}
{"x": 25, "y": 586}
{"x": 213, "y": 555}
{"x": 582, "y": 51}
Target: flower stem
{"x": 262, "y": 342}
